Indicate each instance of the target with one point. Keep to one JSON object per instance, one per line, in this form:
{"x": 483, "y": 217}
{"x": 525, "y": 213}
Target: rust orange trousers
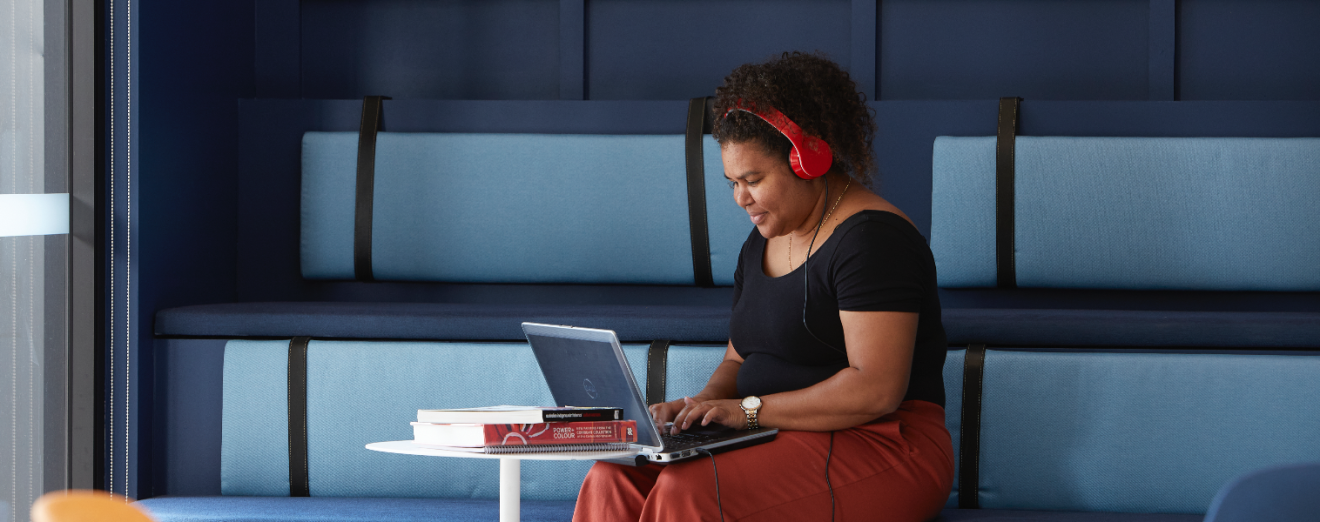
{"x": 897, "y": 468}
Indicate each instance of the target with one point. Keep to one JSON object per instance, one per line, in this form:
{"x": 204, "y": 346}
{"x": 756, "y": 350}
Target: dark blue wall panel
{"x": 668, "y": 50}
{"x": 185, "y": 449}
{"x": 1258, "y": 50}
{"x": 196, "y": 60}
{"x": 471, "y": 49}
{"x": 861, "y": 66}
{"x": 208, "y": 176}
{"x": 904, "y": 147}
{"x": 269, "y": 180}
{"x": 277, "y": 43}
{"x": 1037, "y": 49}
{"x": 671, "y": 49}
{"x": 572, "y": 49}
{"x": 1163, "y": 40}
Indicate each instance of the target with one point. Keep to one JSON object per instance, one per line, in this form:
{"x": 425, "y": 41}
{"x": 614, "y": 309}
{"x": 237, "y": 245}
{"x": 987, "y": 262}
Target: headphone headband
{"x": 810, "y": 158}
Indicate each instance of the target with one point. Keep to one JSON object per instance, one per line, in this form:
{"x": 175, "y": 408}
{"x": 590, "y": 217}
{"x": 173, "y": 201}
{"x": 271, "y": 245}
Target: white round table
{"x": 510, "y": 467}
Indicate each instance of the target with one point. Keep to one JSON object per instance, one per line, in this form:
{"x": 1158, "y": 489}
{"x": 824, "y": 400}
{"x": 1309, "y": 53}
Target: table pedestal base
{"x": 510, "y": 490}
{"x": 510, "y": 466}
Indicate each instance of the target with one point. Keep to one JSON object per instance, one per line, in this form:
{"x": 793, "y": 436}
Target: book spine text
{"x": 560, "y": 433}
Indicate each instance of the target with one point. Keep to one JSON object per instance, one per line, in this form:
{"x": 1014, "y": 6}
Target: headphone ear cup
{"x": 819, "y": 162}
{"x": 795, "y": 161}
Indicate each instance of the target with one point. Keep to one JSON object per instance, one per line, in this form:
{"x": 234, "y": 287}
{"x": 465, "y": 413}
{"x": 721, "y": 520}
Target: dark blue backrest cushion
{"x": 1133, "y": 213}
{"x": 516, "y": 208}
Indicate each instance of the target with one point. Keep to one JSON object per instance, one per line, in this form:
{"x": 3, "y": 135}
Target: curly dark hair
{"x": 812, "y": 91}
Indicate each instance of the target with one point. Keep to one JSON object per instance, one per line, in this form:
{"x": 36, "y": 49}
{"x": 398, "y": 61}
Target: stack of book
{"x": 524, "y": 429}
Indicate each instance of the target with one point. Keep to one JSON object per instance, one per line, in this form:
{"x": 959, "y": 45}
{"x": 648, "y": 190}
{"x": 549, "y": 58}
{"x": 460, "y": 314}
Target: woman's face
{"x": 764, "y": 185}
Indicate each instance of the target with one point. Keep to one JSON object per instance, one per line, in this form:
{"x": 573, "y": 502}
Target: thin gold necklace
{"x": 823, "y": 221}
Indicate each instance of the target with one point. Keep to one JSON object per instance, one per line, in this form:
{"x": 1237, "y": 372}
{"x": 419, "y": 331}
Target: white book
{"x": 506, "y": 414}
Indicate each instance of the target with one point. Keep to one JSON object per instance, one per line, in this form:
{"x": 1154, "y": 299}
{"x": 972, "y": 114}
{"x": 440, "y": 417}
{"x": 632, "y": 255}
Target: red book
{"x": 479, "y": 435}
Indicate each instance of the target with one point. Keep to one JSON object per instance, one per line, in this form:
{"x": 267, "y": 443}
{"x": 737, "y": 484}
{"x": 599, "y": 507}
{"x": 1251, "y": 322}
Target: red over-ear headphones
{"x": 810, "y": 158}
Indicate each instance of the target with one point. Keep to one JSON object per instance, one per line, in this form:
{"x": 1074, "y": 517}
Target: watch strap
{"x": 752, "y": 422}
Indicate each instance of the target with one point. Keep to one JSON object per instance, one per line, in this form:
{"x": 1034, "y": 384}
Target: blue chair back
{"x": 1276, "y": 494}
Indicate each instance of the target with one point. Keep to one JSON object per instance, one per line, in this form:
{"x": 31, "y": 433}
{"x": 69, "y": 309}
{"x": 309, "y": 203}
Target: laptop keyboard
{"x": 685, "y": 440}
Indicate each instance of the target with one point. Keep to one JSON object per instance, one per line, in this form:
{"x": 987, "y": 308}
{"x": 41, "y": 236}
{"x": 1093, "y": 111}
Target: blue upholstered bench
{"x": 595, "y": 227}
{"x": 600, "y": 227}
{"x": 1134, "y": 431}
{"x": 591, "y": 230}
{"x": 1082, "y": 416}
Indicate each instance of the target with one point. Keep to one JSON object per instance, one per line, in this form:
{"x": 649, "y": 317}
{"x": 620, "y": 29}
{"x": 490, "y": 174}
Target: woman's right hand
{"x": 723, "y": 384}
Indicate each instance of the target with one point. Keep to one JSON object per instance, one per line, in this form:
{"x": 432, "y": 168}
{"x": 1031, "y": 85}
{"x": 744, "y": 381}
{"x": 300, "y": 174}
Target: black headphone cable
{"x": 806, "y": 278}
{"x": 703, "y": 451}
{"x": 718, "y": 502}
{"x": 829, "y": 454}
{"x": 806, "y": 292}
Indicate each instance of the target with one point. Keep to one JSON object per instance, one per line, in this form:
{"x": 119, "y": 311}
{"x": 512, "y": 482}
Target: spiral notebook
{"x": 546, "y": 448}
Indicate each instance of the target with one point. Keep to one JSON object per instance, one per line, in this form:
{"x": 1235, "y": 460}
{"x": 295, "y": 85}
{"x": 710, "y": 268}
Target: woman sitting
{"x": 835, "y": 336}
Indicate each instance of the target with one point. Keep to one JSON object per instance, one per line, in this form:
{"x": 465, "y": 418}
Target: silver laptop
{"x": 586, "y": 367}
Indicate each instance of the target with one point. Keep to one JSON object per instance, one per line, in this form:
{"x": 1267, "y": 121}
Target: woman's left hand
{"x": 721, "y": 411}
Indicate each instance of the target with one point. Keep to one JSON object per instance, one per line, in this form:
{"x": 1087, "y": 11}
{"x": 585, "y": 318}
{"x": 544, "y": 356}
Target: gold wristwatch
{"x": 749, "y": 406}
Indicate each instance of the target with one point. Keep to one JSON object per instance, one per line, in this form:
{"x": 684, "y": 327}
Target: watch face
{"x": 752, "y": 402}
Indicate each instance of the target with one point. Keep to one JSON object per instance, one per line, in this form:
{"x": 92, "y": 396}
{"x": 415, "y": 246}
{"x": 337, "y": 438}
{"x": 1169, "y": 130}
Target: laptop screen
{"x": 586, "y": 367}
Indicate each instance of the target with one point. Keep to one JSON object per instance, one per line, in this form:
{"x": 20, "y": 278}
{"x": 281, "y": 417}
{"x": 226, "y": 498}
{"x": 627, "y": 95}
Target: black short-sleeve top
{"x": 874, "y": 261}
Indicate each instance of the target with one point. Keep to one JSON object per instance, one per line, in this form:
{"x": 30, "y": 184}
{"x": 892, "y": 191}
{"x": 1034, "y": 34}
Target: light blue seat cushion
{"x": 254, "y": 420}
{"x": 271, "y": 509}
{"x": 516, "y": 208}
{"x": 1139, "y": 432}
{"x": 363, "y": 392}
{"x": 689, "y": 367}
{"x": 1133, "y": 213}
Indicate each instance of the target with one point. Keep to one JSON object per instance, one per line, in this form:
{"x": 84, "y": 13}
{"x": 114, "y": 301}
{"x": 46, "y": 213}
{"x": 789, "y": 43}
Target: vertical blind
{"x": 28, "y": 214}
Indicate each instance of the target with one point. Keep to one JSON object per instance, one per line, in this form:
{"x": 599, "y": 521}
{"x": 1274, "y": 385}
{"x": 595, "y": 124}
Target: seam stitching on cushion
{"x": 302, "y": 382}
{"x": 976, "y": 462}
{"x": 288, "y": 383}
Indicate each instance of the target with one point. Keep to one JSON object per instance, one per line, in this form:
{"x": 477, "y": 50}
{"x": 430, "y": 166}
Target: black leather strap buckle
{"x": 373, "y": 119}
